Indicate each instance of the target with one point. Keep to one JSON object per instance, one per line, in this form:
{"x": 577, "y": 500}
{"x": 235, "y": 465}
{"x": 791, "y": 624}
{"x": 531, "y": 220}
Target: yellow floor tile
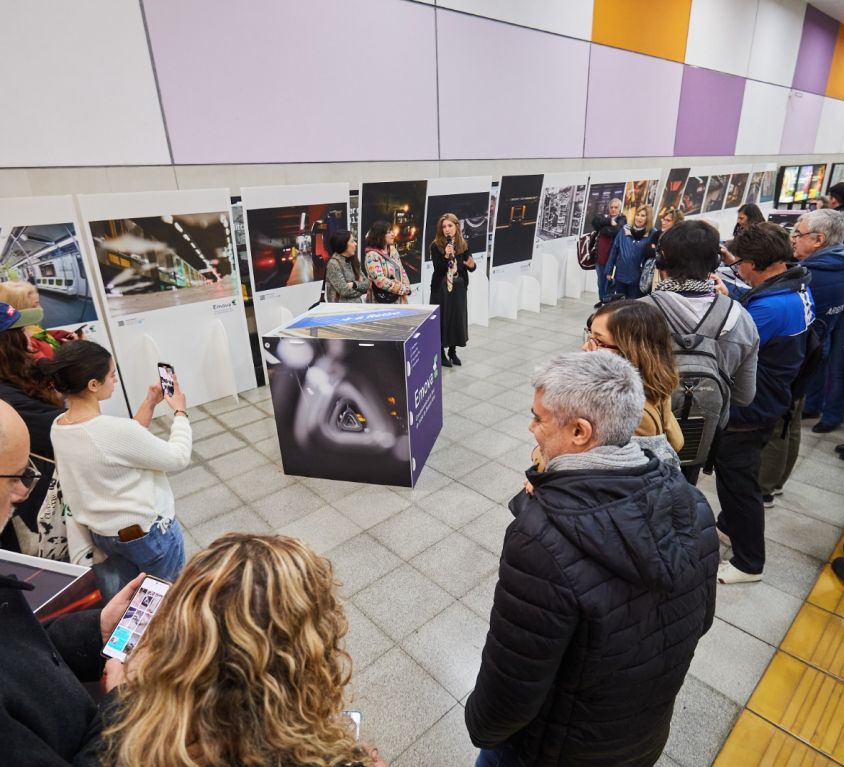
{"x": 828, "y": 592}
{"x": 803, "y": 701}
{"x": 817, "y": 637}
{"x": 757, "y": 743}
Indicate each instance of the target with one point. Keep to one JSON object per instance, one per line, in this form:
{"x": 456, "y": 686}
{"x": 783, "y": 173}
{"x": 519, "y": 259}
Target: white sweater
{"x": 112, "y": 471}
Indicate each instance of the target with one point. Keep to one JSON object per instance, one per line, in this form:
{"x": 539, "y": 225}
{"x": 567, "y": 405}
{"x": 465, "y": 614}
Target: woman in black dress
{"x": 452, "y": 262}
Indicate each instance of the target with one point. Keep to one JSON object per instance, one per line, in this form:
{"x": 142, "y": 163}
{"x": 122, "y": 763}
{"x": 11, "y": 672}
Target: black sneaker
{"x": 446, "y": 362}
{"x": 455, "y": 359}
{"x": 768, "y": 501}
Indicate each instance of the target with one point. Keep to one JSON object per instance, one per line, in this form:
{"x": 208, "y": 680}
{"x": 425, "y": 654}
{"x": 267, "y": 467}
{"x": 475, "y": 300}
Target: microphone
{"x": 449, "y": 240}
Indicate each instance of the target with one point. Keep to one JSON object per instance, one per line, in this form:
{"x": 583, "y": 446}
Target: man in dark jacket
{"x": 781, "y": 305}
{"x": 47, "y": 718}
{"x": 607, "y": 225}
{"x": 606, "y": 584}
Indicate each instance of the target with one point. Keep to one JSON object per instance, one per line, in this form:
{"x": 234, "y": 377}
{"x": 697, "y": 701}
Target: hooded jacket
{"x": 606, "y": 584}
{"x": 827, "y": 269}
{"x": 783, "y": 309}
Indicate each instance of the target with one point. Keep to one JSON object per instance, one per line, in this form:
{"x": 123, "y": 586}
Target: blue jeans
{"x": 626, "y": 289}
{"x": 601, "y": 272}
{"x": 161, "y": 552}
{"x": 489, "y": 757}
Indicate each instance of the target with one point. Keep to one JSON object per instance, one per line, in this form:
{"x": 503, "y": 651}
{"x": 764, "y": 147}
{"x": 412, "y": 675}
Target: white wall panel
{"x": 77, "y": 86}
{"x": 776, "y": 40}
{"x": 719, "y": 35}
{"x": 565, "y": 17}
{"x": 762, "y": 119}
{"x": 830, "y": 139}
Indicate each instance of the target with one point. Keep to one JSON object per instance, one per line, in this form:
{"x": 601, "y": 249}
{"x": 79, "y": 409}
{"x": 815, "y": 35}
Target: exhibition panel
{"x": 168, "y": 271}
{"x": 356, "y": 391}
{"x": 709, "y": 113}
{"x": 40, "y": 245}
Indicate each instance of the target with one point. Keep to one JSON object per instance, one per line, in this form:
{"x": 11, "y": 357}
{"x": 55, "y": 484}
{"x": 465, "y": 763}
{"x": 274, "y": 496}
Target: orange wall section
{"x": 835, "y": 84}
{"x": 657, "y": 27}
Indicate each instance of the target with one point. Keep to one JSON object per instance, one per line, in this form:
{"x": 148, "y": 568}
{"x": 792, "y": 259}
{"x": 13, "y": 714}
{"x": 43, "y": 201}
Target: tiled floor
{"x": 419, "y": 567}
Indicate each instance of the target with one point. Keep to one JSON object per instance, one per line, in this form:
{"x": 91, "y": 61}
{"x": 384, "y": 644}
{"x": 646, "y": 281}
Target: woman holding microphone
{"x": 452, "y": 263}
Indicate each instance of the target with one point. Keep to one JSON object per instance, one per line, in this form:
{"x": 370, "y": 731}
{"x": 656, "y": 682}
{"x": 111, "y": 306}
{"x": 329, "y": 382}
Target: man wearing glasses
{"x": 46, "y": 715}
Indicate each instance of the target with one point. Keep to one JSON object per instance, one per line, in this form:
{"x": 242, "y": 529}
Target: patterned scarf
{"x": 450, "y": 274}
{"x": 686, "y": 286}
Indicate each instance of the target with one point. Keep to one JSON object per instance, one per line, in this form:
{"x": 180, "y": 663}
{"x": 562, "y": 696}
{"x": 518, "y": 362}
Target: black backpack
{"x": 701, "y": 402}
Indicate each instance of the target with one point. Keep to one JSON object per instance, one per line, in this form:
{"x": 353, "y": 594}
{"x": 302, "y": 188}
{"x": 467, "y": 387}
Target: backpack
{"x": 646, "y": 278}
{"x": 701, "y": 402}
{"x": 587, "y": 250}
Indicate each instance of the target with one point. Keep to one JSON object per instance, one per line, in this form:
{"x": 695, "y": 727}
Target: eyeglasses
{"x": 587, "y": 335}
{"x": 795, "y": 235}
{"x": 29, "y": 478}
{"x": 734, "y": 267}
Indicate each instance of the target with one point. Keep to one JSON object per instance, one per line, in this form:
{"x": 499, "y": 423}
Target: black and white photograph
{"x": 402, "y": 205}
{"x": 754, "y": 187}
{"x": 598, "y": 201}
{"x": 766, "y": 193}
{"x": 47, "y": 257}
{"x": 693, "y": 195}
{"x": 561, "y": 211}
{"x": 715, "y": 193}
{"x": 242, "y": 248}
{"x": 471, "y": 209}
{"x": 162, "y": 261}
{"x": 515, "y": 223}
{"x": 735, "y": 191}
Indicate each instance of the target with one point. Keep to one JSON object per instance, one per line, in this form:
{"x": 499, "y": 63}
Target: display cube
{"x": 356, "y": 391}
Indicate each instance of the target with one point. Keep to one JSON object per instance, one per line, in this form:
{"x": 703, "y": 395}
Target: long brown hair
{"x": 643, "y": 337}
{"x": 242, "y": 664}
{"x": 19, "y": 369}
{"x": 460, "y": 244}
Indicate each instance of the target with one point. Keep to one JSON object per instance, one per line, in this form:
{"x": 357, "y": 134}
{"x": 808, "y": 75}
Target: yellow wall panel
{"x": 657, "y": 28}
{"x": 835, "y": 84}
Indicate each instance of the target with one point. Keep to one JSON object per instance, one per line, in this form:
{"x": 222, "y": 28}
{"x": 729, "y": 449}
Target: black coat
{"x": 440, "y": 264}
{"x": 606, "y": 584}
{"x": 46, "y": 716}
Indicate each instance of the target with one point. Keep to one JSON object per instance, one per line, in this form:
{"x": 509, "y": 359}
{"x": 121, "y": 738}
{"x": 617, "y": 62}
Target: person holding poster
{"x": 343, "y": 279}
{"x": 113, "y": 469}
{"x": 452, "y": 262}
{"x": 624, "y": 267}
{"x": 389, "y": 282}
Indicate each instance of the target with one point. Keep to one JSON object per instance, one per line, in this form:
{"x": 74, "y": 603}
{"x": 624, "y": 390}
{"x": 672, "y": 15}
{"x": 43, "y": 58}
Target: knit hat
{"x": 12, "y": 318}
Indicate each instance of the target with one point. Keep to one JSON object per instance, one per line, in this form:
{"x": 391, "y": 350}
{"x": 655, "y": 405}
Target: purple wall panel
{"x": 801, "y": 123}
{"x": 816, "y": 48}
{"x": 710, "y": 110}
{"x": 506, "y": 91}
{"x": 624, "y": 118}
{"x": 267, "y": 81}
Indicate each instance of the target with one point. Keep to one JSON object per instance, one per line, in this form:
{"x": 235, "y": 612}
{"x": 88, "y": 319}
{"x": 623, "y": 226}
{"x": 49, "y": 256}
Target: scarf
{"x": 637, "y": 234}
{"x": 609, "y": 457}
{"x": 686, "y": 286}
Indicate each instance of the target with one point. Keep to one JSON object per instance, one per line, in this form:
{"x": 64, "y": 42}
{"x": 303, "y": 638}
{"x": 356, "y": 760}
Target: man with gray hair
{"x": 606, "y": 584}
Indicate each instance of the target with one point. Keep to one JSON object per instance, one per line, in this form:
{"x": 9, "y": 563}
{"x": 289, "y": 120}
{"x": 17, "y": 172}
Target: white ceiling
{"x": 834, "y": 8}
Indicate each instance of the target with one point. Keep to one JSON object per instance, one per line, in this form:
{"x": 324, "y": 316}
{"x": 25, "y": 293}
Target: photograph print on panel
{"x": 672, "y": 195}
{"x": 693, "y": 195}
{"x": 471, "y": 209}
{"x": 515, "y": 224}
{"x": 715, "y": 193}
{"x": 735, "y": 190}
{"x": 754, "y": 187}
{"x": 561, "y": 211}
{"x": 598, "y": 201}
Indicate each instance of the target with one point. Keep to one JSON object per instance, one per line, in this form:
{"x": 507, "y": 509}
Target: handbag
{"x": 383, "y": 296}
{"x": 646, "y": 278}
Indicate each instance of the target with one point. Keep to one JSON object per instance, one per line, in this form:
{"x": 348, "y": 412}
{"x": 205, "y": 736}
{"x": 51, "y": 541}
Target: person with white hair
{"x": 607, "y": 225}
{"x": 606, "y": 584}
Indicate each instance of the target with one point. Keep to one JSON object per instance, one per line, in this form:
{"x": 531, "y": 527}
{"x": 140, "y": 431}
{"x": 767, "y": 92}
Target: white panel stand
{"x": 218, "y": 361}
{"x": 561, "y": 273}
{"x": 504, "y": 301}
{"x": 575, "y": 276}
{"x": 477, "y": 299}
{"x": 529, "y": 293}
{"x": 546, "y": 270}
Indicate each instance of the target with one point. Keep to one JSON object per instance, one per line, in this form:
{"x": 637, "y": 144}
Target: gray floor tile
{"x": 491, "y": 443}
{"x": 449, "y": 648}
{"x": 731, "y": 661}
{"x": 191, "y": 546}
{"x": 269, "y": 447}
{"x": 365, "y": 641}
{"x": 370, "y": 505}
{"x": 479, "y": 599}
{"x": 703, "y": 718}
{"x": 456, "y": 563}
{"x": 329, "y": 489}
{"x": 409, "y": 532}
{"x": 237, "y": 521}
{"x": 480, "y": 371}
{"x": 234, "y": 419}
{"x": 457, "y": 427}
{"x": 218, "y": 445}
{"x": 489, "y": 528}
{"x": 430, "y": 480}
{"x": 237, "y": 463}
{"x": 205, "y": 428}
{"x": 486, "y": 413}
{"x": 757, "y": 608}
{"x": 260, "y": 482}
{"x": 496, "y": 481}
{"x": 455, "y": 401}
{"x": 818, "y": 474}
{"x": 666, "y": 761}
{"x": 206, "y": 504}
{"x": 287, "y": 505}
{"x": 518, "y": 399}
{"x": 190, "y": 480}
{"x": 398, "y": 701}
{"x": 402, "y": 601}
{"x": 813, "y": 502}
{"x": 361, "y": 561}
{"x": 224, "y": 405}
{"x": 517, "y": 424}
{"x": 455, "y": 504}
{"x": 258, "y": 430}
{"x": 793, "y": 529}
{"x": 455, "y": 461}
{"x": 322, "y": 530}
{"x": 446, "y": 743}
{"x": 790, "y": 571}
{"x": 261, "y": 394}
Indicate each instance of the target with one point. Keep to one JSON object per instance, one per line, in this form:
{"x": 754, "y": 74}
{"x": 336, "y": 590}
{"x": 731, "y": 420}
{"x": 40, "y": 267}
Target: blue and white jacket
{"x": 827, "y": 270}
{"x": 627, "y": 255}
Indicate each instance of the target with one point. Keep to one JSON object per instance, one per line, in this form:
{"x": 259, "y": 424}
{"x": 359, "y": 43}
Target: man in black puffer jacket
{"x": 606, "y": 584}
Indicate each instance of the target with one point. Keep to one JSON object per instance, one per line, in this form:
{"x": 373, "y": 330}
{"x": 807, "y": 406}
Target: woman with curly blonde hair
{"x": 243, "y": 665}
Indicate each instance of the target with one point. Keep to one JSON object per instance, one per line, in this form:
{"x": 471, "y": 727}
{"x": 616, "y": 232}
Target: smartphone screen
{"x": 165, "y": 373}
{"x": 131, "y": 627}
{"x": 354, "y": 718}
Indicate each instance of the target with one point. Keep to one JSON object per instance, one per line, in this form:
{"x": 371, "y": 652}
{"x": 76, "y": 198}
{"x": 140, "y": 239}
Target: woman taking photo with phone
{"x": 243, "y": 664}
{"x": 113, "y": 469}
{"x": 389, "y": 282}
{"x": 344, "y": 281}
{"x": 452, "y": 262}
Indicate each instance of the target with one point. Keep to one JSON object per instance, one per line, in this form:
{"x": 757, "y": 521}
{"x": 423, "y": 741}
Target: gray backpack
{"x": 701, "y": 403}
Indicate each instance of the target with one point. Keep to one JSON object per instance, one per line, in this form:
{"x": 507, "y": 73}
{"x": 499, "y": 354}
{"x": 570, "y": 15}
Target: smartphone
{"x": 134, "y": 622}
{"x": 165, "y": 374}
{"x": 354, "y": 718}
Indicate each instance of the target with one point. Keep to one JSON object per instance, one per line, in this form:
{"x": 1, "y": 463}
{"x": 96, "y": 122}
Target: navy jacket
{"x": 606, "y": 584}
{"x": 627, "y": 256}
{"x": 827, "y": 270}
{"x": 783, "y": 309}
